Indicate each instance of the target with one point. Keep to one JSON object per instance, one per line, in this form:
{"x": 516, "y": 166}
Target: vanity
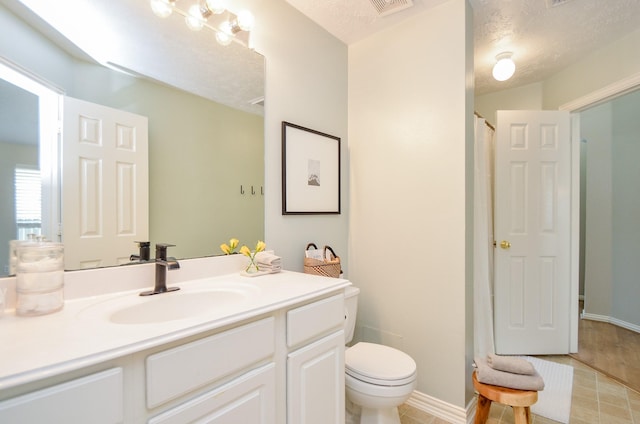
{"x": 223, "y": 349}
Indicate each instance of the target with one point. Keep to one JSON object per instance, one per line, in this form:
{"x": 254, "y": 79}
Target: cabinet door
{"x": 315, "y": 382}
{"x": 95, "y": 399}
{"x": 250, "y": 398}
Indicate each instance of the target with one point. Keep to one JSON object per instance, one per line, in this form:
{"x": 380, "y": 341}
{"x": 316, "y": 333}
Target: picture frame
{"x": 310, "y": 171}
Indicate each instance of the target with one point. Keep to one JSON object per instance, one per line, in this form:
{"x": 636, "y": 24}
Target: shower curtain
{"x": 483, "y": 239}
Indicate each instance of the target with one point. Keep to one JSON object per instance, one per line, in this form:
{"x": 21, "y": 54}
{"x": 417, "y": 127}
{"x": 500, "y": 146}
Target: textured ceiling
{"x": 125, "y": 33}
{"x": 543, "y": 40}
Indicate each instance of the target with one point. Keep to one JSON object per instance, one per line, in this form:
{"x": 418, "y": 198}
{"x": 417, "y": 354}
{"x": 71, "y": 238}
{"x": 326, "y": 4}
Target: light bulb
{"x": 223, "y": 38}
{"x": 245, "y": 20}
{"x": 504, "y": 67}
{"x": 194, "y": 18}
{"x": 226, "y": 28}
{"x": 162, "y": 8}
{"x": 215, "y": 6}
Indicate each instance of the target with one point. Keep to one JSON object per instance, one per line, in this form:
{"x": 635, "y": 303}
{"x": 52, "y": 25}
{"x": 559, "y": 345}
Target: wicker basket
{"x": 327, "y": 268}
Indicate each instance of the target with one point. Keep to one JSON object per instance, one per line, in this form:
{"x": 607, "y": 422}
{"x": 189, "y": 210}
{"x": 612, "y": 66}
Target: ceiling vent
{"x": 387, "y": 7}
{"x": 554, "y": 3}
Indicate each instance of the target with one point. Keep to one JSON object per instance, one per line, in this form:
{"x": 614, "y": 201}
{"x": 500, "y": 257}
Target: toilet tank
{"x": 350, "y": 311}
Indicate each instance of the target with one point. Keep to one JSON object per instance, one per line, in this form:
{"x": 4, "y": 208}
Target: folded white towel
{"x": 265, "y": 258}
{"x": 510, "y": 364}
{"x": 268, "y": 262}
{"x": 488, "y": 375}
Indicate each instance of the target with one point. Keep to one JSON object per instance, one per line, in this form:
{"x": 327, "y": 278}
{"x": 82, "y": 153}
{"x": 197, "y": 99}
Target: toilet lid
{"x": 379, "y": 364}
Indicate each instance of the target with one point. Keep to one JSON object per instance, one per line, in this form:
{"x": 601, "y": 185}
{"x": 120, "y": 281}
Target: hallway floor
{"x": 612, "y": 350}
{"x": 597, "y": 399}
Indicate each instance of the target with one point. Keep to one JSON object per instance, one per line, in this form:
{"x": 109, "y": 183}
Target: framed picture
{"x": 310, "y": 171}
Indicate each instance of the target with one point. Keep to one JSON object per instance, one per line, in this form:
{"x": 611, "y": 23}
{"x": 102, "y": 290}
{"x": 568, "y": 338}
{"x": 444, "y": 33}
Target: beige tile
{"x": 409, "y": 420}
{"x": 614, "y": 414}
{"x": 589, "y": 415}
{"x": 536, "y": 419}
{"x": 417, "y": 414}
{"x": 581, "y": 393}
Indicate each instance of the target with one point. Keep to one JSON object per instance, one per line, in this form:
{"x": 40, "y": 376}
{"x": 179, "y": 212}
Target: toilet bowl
{"x": 378, "y": 378}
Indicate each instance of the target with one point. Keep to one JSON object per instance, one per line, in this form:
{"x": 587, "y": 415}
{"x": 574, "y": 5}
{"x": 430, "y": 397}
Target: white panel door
{"x": 105, "y": 184}
{"x": 532, "y": 232}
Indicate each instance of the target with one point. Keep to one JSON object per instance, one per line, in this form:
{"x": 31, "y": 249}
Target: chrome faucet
{"x": 163, "y": 263}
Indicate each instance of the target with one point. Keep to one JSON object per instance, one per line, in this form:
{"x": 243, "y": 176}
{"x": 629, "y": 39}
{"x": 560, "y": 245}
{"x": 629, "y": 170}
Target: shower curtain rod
{"x": 485, "y": 120}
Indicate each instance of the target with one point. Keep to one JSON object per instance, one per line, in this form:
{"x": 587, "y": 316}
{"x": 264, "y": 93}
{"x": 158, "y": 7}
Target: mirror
{"x": 206, "y": 163}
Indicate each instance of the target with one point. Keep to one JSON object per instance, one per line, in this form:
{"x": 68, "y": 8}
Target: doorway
{"x": 609, "y": 331}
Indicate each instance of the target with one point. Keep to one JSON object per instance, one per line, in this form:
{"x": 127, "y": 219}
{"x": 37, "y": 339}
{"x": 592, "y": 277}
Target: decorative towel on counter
{"x": 510, "y": 364}
{"x": 268, "y": 262}
{"x": 488, "y": 375}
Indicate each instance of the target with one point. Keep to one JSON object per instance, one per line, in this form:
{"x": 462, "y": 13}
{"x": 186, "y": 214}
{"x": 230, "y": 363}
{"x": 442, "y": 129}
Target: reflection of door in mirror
{"x": 28, "y": 158}
{"x": 201, "y": 152}
{"x": 105, "y": 174}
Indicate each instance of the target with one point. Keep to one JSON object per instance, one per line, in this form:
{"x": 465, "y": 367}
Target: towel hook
{"x": 241, "y": 189}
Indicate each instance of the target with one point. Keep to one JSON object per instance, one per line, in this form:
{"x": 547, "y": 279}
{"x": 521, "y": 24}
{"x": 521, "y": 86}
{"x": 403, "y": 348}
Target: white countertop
{"x": 81, "y": 334}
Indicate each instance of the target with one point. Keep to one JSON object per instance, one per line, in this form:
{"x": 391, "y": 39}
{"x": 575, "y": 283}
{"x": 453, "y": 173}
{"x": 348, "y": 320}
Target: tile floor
{"x": 597, "y": 399}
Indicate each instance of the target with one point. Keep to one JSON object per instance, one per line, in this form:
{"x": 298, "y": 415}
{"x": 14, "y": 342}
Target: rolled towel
{"x": 510, "y": 364}
{"x": 488, "y": 375}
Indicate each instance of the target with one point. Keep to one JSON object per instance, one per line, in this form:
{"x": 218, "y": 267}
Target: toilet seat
{"x": 380, "y": 365}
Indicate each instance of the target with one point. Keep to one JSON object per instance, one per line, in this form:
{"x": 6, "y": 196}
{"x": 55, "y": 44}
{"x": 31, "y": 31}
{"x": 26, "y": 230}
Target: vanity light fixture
{"x": 504, "y": 67}
{"x": 213, "y": 15}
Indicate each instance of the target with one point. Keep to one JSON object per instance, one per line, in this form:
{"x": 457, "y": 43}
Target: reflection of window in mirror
{"x": 29, "y": 159}
{"x": 28, "y": 202}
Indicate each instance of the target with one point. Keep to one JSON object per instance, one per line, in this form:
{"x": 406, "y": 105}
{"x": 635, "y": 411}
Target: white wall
{"x": 408, "y": 139}
{"x": 595, "y": 128}
{"x": 605, "y": 66}
{"x": 306, "y": 84}
{"x": 626, "y": 209}
{"x": 527, "y": 97}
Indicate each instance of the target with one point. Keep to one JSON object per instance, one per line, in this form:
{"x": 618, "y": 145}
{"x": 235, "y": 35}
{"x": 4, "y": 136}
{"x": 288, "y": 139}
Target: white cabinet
{"x": 280, "y": 365}
{"x": 96, "y": 399}
{"x": 315, "y": 382}
{"x": 182, "y": 369}
{"x": 315, "y": 364}
{"x": 248, "y": 399}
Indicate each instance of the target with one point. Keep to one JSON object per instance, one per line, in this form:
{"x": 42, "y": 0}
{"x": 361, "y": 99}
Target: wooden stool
{"x": 519, "y": 400}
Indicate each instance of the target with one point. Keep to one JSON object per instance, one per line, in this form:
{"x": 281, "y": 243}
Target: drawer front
{"x": 250, "y": 398}
{"x": 177, "y": 371}
{"x": 316, "y": 319}
{"x": 96, "y": 398}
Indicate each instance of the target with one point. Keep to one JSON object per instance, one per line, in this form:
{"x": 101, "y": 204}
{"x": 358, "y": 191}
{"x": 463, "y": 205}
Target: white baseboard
{"x": 443, "y": 410}
{"x": 611, "y": 320}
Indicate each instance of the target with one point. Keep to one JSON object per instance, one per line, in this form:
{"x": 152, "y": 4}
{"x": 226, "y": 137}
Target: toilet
{"x": 378, "y": 378}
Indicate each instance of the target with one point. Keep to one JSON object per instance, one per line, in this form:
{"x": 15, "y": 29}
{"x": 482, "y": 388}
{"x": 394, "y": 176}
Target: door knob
{"x": 505, "y": 244}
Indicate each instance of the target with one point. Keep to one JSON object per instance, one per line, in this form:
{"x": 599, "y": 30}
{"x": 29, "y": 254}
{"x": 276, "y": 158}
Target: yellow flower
{"x": 230, "y": 248}
{"x": 245, "y": 251}
{"x": 260, "y": 246}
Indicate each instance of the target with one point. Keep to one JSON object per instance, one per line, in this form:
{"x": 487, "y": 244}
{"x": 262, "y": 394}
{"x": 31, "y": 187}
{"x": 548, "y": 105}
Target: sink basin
{"x": 189, "y": 302}
{"x": 175, "y": 305}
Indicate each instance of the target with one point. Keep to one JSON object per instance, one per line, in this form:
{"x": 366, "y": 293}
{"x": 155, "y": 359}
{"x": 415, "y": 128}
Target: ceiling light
{"x": 162, "y": 8}
{"x": 211, "y": 14}
{"x": 245, "y": 20}
{"x": 215, "y": 6}
{"x": 504, "y": 67}
{"x": 194, "y": 19}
